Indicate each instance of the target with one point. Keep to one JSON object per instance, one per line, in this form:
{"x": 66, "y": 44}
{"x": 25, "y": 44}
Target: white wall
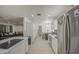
{"x": 35, "y": 30}
{"x": 55, "y": 24}
{"x": 30, "y": 28}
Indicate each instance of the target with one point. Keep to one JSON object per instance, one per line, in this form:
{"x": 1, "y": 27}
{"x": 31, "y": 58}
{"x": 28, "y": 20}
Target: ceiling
{"x": 14, "y": 13}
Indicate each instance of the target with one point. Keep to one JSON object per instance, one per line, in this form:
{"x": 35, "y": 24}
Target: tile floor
{"x": 40, "y": 46}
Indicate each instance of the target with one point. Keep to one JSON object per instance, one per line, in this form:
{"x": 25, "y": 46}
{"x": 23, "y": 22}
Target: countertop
{"x": 10, "y": 38}
{"x": 2, "y": 51}
{"x": 54, "y": 36}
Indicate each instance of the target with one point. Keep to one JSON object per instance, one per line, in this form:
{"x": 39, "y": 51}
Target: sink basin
{"x": 7, "y": 45}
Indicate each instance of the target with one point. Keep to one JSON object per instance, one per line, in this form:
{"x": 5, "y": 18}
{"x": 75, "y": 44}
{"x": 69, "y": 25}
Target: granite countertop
{"x": 53, "y": 35}
{"x": 10, "y": 38}
{"x": 2, "y": 51}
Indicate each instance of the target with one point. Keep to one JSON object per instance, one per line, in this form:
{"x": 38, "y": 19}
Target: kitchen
{"x": 38, "y": 29}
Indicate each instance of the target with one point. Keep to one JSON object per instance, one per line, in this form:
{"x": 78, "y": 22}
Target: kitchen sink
{"x": 8, "y": 44}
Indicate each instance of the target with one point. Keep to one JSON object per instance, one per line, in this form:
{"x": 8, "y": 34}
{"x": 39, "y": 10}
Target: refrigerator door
{"x": 73, "y": 41}
{"x": 61, "y": 36}
{"x": 66, "y": 35}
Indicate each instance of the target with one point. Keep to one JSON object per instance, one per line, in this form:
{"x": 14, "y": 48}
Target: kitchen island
{"x": 13, "y": 45}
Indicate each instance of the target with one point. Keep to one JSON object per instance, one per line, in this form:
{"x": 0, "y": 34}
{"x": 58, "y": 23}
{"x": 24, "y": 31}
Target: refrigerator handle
{"x": 67, "y": 37}
{"x": 68, "y": 34}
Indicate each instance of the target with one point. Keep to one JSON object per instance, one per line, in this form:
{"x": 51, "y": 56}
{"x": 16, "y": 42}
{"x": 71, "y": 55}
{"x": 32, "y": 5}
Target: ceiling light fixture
{"x": 32, "y": 15}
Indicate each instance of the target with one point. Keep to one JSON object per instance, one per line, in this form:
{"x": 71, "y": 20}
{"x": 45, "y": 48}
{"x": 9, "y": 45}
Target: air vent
{"x": 38, "y": 14}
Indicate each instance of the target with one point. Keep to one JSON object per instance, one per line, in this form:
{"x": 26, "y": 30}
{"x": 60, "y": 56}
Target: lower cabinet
{"x": 53, "y": 43}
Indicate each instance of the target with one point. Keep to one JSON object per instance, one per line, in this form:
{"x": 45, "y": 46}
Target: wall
{"x": 55, "y": 24}
{"x": 35, "y": 30}
{"x": 30, "y": 28}
{"x": 27, "y": 28}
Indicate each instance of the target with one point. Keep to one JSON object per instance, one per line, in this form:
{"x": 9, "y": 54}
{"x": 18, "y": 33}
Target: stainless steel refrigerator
{"x": 68, "y": 32}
